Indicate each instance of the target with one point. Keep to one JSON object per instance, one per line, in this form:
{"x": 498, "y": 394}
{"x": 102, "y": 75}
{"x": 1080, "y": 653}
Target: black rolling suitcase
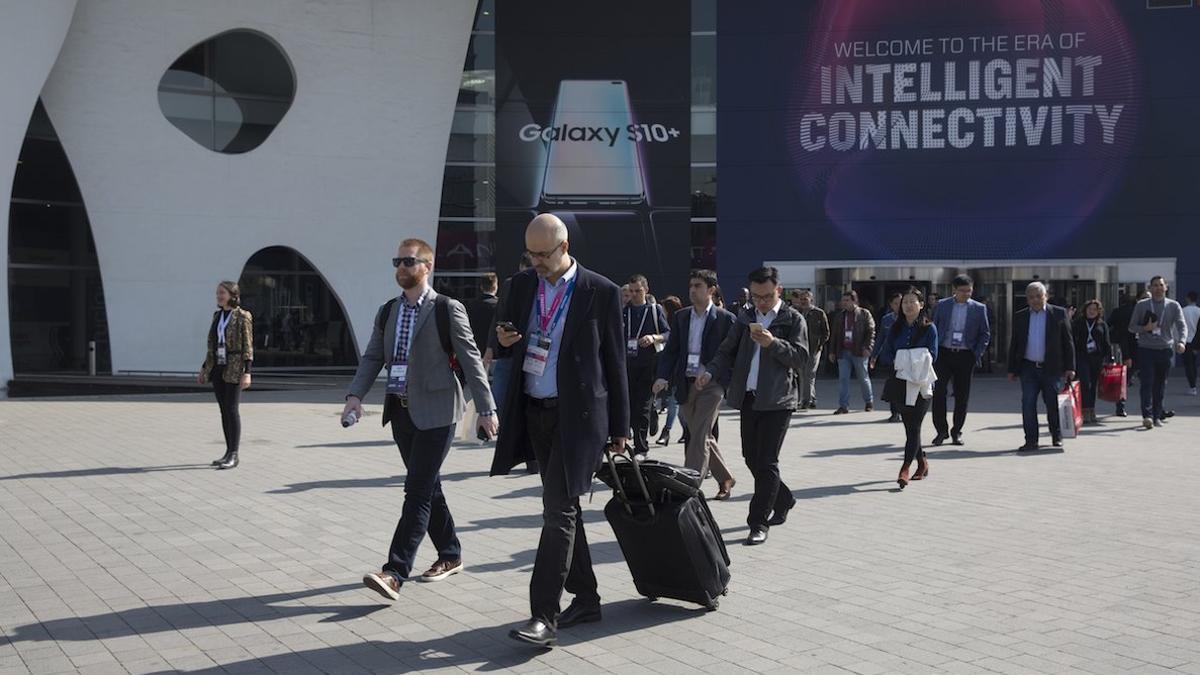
{"x": 672, "y": 544}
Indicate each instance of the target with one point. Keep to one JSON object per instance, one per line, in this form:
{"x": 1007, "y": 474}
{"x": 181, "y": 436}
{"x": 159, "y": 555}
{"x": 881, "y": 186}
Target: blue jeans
{"x": 501, "y": 375}
{"x": 847, "y": 364}
{"x": 425, "y": 510}
{"x": 1153, "y": 366}
{"x": 1036, "y": 381}
{"x": 672, "y": 410}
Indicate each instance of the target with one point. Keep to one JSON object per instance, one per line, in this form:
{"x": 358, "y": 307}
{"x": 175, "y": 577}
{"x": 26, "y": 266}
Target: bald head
{"x": 547, "y": 245}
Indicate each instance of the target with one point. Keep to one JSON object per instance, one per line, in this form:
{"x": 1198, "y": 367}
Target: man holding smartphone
{"x": 759, "y": 363}
{"x": 414, "y": 338}
{"x": 567, "y": 401}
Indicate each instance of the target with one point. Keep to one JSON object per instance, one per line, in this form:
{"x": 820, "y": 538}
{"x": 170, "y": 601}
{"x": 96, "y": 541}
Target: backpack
{"x": 441, "y": 318}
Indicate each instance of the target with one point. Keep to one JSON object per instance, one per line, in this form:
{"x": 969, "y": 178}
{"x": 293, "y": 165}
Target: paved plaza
{"x": 122, "y": 551}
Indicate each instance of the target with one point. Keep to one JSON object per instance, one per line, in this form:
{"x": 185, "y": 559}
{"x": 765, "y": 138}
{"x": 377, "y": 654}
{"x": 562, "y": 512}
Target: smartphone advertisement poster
{"x": 593, "y": 125}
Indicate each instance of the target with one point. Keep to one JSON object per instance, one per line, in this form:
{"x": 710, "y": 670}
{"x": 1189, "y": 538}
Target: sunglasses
{"x": 408, "y": 261}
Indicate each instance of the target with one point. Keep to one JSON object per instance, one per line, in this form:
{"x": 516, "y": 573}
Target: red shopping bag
{"x": 1113, "y": 383}
{"x": 1070, "y": 409}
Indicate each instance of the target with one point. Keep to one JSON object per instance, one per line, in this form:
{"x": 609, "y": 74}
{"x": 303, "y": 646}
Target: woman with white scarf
{"x": 912, "y": 344}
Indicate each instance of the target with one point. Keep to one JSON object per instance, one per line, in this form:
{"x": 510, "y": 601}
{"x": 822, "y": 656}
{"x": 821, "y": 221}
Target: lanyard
{"x": 1091, "y": 327}
{"x": 548, "y": 319}
{"x": 221, "y": 324}
{"x": 629, "y": 323}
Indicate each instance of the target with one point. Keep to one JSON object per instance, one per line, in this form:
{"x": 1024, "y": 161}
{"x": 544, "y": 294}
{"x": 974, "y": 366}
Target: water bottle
{"x": 349, "y": 419}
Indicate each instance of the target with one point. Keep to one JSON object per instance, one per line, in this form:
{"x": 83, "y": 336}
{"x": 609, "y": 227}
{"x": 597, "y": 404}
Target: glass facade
{"x": 465, "y": 249}
{"x": 56, "y": 299}
{"x": 298, "y": 322}
{"x": 228, "y": 93}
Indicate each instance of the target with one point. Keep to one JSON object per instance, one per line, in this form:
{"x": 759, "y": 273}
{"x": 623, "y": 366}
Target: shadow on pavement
{"x": 109, "y": 471}
{"x": 163, "y": 618}
{"x": 484, "y": 649}
{"x": 380, "y": 482}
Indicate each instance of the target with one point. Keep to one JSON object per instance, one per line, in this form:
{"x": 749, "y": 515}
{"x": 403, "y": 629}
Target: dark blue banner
{"x": 943, "y": 130}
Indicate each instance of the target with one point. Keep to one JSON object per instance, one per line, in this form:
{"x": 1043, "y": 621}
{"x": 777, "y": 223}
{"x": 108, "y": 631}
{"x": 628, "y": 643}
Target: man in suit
{"x": 482, "y": 310}
{"x": 424, "y": 402}
{"x": 695, "y": 336}
{"x": 1041, "y": 354}
{"x": 646, "y": 331}
{"x": 852, "y": 339}
{"x": 964, "y": 331}
{"x": 567, "y": 401}
{"x": 758, "y": 365}
{"x": 818, "y": 334}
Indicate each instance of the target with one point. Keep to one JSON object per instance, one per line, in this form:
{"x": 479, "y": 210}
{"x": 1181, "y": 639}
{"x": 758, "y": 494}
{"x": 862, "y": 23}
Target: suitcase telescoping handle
{"x": 637, "y": 471}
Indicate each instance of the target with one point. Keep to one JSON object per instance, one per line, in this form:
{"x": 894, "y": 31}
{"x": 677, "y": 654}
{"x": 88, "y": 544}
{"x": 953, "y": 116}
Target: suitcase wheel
{"x": 651, "y": 598}
{"x": 714, "y": 605}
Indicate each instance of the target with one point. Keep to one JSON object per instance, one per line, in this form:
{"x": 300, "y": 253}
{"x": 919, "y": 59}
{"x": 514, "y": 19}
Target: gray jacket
{"x": 435, "y": 397}
{"x": 779, "y": 365}
{"x": 1171, "y": 322}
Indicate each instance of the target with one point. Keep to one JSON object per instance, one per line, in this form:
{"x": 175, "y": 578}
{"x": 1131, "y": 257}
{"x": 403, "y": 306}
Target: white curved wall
{"x": 31, "y": 34}
{"x": 355, "y": 165}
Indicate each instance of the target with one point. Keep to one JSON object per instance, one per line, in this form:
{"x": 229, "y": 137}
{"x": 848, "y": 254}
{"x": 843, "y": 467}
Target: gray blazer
{"x": 778, "y": 378}
{"x": 435, "y": 397}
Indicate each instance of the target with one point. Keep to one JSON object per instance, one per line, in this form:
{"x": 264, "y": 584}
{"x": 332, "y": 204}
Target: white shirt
{"x": 1191, "y": 316}
{"x": 765, "y": 320}
{"x": 696, "y": 328}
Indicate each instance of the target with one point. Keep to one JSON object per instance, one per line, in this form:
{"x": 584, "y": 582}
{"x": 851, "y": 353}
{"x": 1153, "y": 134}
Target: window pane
{"x": 249, "y": 63}
{"x": 704, "y": 192}
{"x": 469, "y": 192}
{"x": 704, "y": 15}
{"x": 704, "y": 245}
{"x": 704, "y": 136}
{"x": 466, "y": 246}
{"x": 704, "y": 70}
{"x": 472, "y": 137}
{"x": 478, "y": 87}
{"x": 485, "y": 15}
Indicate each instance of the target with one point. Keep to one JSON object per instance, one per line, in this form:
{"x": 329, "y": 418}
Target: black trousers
{"x": 959, "y": 366}
{"x": 229, "y": 396}
{"x": 641, "y": 401}
{"x": 425, "y": 509}
{"x": 563, "y": 558}
{"x": 763, "y": 432}
{"x": 913, "y": 417}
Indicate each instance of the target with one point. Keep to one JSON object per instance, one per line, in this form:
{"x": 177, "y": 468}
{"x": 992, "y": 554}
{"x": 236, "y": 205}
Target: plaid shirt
{"x": 408, "y": 316}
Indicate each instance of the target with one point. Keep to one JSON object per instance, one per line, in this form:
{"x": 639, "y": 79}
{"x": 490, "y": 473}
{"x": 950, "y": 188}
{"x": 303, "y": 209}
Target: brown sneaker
{"x": 442, "y": 569}
{"x": 384, "y": 583}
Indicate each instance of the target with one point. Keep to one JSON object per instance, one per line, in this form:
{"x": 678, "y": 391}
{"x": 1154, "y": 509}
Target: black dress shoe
{"x": 1028, "y": 447}
{"x": 577, "y": 613}
{"x": 894, "y": 417}
{"x": 939, "y": 439}
{"x": 780, "y": 517}
{"x": 956, "y": 439}
{"x": 756, "y": 537}
{"x": 1057, "y": 442}
{"x": 535, "y": 632}
{"x": 219, "y": 462}
{"x": 230, "y": 462}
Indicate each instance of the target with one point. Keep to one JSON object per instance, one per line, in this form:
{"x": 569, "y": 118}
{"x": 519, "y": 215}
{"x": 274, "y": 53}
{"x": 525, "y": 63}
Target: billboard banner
{"x": 944, "y": 130}
{"x": 592, "y": 124}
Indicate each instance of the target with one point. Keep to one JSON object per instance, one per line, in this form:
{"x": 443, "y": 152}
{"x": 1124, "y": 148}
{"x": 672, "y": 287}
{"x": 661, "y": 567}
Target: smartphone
{"x": 756, "y": 327}
{"x": 508, "y": 326}
{"x": 482, "y": 435}
{"x": 593, "y": 162}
